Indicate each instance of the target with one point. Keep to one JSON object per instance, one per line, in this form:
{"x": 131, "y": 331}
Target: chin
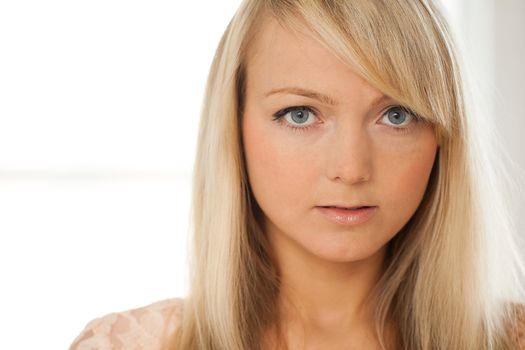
{"x": 345, "y": 253}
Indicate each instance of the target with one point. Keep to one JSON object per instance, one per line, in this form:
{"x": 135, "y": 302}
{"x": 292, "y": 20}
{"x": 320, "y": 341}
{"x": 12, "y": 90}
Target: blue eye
{"x": 296, "y": 117}
{"x": 400, "y": 118}
{"x": 299, "y": 115}
{"x": 398, "y": 115}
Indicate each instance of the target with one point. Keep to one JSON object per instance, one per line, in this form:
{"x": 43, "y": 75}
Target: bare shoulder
{"x": 145, "y": 327}
{"x": 517, "y": 330}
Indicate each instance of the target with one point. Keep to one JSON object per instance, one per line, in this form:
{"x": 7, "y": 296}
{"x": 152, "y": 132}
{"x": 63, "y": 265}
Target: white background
{"x": 99, "y": 107}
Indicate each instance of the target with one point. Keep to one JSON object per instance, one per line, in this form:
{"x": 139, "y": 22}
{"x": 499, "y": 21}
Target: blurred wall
{"x": 492, "y": 34}
{"x": 509, "y": 81}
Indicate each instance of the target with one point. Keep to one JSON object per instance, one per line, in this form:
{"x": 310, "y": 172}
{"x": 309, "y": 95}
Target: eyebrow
{"x": 326, "y": 99}
{"x": 304, "y": 92}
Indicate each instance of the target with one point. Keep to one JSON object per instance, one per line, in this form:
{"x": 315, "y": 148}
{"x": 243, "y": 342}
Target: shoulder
{"x": 517, "y": 329}
{"x": 145, "y": 327}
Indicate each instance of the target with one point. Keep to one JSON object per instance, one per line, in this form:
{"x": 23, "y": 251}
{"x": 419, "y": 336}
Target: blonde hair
{"x": 452, "y": 274}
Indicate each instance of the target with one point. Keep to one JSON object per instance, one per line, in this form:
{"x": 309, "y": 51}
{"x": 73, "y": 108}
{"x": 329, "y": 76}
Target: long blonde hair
{"x": 452, "y": 274}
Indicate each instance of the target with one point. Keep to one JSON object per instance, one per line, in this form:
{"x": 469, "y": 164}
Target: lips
{"x": 352, "y": 215}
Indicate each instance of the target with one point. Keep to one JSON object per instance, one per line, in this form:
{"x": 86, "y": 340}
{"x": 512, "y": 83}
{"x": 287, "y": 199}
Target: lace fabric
{"x": 144, "y": 328}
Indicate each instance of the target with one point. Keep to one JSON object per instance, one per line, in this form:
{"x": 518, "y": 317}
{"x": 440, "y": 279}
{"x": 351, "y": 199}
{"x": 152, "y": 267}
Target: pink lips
{"x": 348, "y": 217}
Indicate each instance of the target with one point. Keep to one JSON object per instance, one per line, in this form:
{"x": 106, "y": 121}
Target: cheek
{"x": 278, "y": 170}
{"x": 406, "y": 175}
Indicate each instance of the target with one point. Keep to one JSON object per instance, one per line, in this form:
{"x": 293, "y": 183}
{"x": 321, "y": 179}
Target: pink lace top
{"x": 143, "y": 328}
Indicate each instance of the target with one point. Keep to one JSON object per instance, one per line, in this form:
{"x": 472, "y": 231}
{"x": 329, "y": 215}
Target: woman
{"x": 340, "y": 195}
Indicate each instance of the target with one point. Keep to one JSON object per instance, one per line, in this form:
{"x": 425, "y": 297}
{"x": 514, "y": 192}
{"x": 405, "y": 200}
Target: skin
{"x": 351, "y": 153}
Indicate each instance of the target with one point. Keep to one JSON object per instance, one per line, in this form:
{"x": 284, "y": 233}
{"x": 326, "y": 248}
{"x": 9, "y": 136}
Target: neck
{"x": 325, "y": 295}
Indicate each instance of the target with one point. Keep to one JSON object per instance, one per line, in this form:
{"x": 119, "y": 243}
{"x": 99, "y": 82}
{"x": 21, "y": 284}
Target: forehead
{"x": 280, "y": 57}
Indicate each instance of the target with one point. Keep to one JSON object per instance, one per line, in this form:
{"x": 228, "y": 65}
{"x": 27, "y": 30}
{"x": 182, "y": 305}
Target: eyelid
{"x": 283, "y": 111}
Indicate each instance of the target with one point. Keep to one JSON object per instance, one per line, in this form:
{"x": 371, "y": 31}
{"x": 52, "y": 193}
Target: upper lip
{"x": 347, "y": 206}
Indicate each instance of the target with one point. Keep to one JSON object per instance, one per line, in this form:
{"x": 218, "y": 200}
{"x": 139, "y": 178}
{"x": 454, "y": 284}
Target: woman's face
{"x": 351, "y": 147}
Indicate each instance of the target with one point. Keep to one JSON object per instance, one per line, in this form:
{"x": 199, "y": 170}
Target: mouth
{"x": 349, "y": 208}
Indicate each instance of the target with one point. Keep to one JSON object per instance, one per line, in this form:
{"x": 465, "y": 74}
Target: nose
{"x": 349, "y": 156}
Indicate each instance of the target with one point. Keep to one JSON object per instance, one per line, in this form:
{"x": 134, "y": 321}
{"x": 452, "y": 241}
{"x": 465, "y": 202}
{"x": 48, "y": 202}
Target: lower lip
{"x": 348, "y": 217}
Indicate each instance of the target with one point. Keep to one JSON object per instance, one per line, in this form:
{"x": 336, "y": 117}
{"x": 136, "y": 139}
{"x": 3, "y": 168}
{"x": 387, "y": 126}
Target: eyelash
{"x": 278, "y": 117}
